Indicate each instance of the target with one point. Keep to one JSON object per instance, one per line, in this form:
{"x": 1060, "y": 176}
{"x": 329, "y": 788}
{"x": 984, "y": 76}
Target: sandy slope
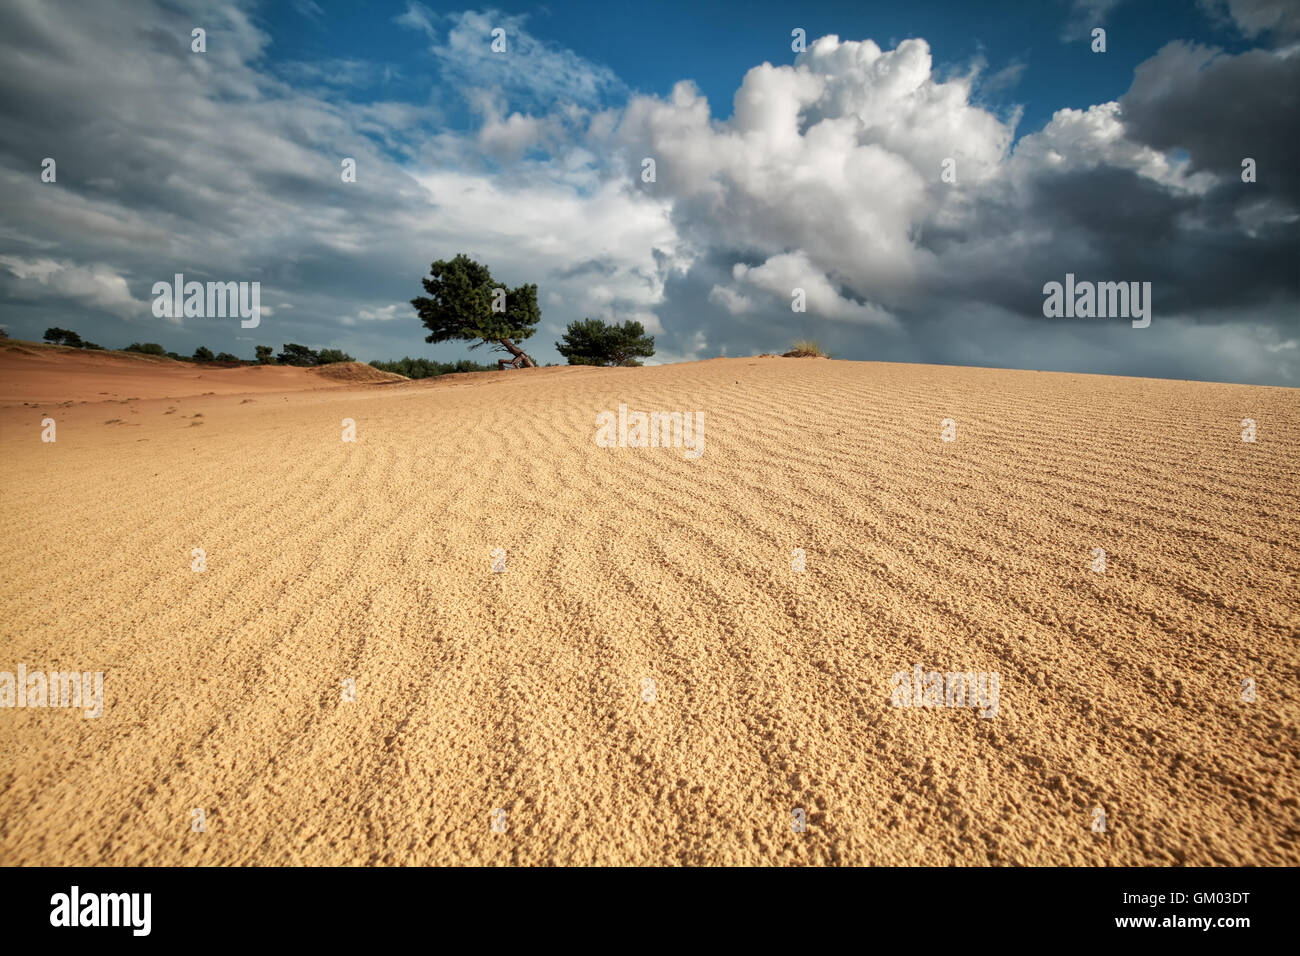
{"x": 35, "y": 372}
{"x": 523, "y": 690}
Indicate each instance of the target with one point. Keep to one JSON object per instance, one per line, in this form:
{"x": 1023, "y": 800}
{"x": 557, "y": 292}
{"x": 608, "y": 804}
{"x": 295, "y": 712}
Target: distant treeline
{"x": 423, "y": 368}
{"x": 291, "y": 353}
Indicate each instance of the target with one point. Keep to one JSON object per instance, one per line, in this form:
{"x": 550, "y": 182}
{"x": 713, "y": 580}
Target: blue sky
{"x": 652, "y": 46}
{"x": 1115, "y": 166}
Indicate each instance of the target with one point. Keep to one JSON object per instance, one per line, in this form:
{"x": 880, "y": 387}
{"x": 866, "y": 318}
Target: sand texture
{"x": 525, "y": 691}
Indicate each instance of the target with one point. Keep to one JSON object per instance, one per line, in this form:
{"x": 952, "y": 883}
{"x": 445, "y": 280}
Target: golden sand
{"x": 525, "y": 691}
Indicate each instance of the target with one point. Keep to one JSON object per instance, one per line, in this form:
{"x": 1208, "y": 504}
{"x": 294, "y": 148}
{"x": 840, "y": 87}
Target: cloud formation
{"x": 917, "y": 225}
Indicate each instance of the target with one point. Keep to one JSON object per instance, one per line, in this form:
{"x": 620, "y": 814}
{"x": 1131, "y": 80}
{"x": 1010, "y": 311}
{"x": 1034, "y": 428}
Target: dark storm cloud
{"x": 1222, "y": 109}
{"x": 1278, "y": 19}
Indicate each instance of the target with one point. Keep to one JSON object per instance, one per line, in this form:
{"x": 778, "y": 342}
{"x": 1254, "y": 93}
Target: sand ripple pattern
{"x": 523, "y": 691}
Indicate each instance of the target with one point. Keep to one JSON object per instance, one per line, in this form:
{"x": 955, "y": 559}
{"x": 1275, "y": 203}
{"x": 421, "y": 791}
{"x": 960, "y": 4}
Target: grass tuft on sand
{"x": 805, "y": 348}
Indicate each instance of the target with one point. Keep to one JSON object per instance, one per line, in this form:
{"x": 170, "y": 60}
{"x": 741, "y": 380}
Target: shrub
{"x": 148, "y": 348}
{"x": 805, "y": 348}
{"x": 203, "y": 354}
{"x": 423, "y": 368}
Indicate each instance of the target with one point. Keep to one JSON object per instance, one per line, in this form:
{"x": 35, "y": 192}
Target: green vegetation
{"x": 592, "y": 342}
{"x": 58, "y": 336}
{"x": 300, "y": 355}
{"x": 293, "y": 354}
{"x": 148, "y": 348}
{"x": 466, "y": 304}
{"x": 333, "y": 356}
{"x": 423, "y": 368}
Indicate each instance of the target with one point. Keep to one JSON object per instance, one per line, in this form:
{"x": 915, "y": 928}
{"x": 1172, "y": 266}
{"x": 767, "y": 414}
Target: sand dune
{"x": 31, "y": 372}
{"x": 526, "y": 691}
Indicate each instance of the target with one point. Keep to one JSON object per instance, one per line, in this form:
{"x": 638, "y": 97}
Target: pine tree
{"x": 592, "y": 342}
{"x": 465, "y": 303}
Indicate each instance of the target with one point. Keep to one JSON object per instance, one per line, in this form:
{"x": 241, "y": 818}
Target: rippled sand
{"x": 521, "y": 698}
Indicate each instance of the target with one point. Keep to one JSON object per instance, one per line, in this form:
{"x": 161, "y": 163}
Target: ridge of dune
{"x": 68, "y": 357}
{"x": 354, "y": 373}
{"x": 38, "y": 372}
{"x": 647, "y": 678}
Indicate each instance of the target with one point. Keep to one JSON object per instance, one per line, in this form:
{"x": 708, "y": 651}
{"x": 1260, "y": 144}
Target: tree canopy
{"x": 593, "y": 342}
{"x": 60, "y": 336}
{"x": 294, "y": 354}
{"x": 332, "y": 356}
{"x": 465, "y": 303}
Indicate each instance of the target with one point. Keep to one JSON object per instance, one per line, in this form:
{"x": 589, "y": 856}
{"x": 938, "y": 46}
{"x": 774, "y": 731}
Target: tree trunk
{"x": 521, "y": 358}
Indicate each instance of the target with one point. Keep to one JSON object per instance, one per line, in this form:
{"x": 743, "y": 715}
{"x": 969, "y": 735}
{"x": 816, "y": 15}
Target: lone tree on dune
{"x": 60, "y": 336}
{"x": 465, "y": 303}
{"x": 592, "y": 342}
